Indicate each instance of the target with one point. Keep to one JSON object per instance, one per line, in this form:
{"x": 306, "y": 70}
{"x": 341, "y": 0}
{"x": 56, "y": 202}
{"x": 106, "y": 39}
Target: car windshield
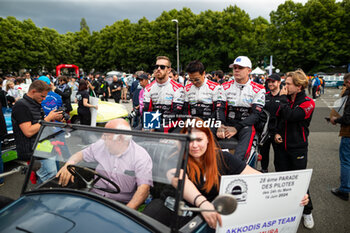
{"x": 103, "y": 161}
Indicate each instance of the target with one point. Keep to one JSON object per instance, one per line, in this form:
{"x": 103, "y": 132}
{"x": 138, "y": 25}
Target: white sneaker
{"x": 308, "y": 221}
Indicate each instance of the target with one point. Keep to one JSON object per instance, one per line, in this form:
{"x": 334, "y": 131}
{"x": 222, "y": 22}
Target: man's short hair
{"x": 173, "y": 71}
{"x": 195, "y": 66}
{"x": 39, "y": 86}
{"x": 63, "y": 78}
{"x": 164, "y": 58}
{"x": 138, "y": 73}
{"x": 299, "y": 78}
{"x": 219, "y": 73}
{"x": 346, "y": 77}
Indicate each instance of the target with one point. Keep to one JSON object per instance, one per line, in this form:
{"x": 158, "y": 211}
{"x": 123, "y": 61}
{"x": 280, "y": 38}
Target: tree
{"x": 83, "y": 25}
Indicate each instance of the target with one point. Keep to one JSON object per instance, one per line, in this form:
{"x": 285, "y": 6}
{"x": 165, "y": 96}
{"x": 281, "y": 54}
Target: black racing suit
{"x": 243, "y": 105}
{"x": 294, "y": 128}
{"x": 272, "y": 105}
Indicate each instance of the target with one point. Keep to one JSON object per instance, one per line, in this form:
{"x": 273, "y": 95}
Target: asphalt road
{"x": 331, "y": 214}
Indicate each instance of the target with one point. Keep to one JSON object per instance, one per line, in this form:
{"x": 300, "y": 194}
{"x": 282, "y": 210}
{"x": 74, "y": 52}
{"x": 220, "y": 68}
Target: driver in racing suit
{"x": 201, "y": 95}
{"x": 243, "y": 100}
{"x": 164, "y": 94}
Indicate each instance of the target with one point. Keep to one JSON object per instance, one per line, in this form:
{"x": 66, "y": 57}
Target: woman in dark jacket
{"x": 83, "y": 104}
{"x": 64, "y": 91}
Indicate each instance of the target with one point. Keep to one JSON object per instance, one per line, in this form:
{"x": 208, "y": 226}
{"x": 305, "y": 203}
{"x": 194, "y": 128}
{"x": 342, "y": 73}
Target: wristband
{"x": 195, "y": 199}
{"x": 202, "y": 203}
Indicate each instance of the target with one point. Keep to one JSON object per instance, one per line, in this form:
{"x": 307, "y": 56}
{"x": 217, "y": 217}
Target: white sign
{"x": 267, "y": 203}
{"x": 93, "y": 101}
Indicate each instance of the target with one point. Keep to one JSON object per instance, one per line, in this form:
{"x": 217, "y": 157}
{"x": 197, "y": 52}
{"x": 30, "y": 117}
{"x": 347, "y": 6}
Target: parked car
{"x": 8, "y": 146}
{"x": 106, "y": 112}
{"x": 49, "y": 207}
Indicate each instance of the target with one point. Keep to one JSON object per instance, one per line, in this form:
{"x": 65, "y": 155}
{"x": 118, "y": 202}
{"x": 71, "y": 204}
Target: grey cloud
{"x": 65, "y": 16}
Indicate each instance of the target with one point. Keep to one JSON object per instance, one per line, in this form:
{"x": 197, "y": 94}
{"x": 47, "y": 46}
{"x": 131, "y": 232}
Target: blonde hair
{"x": 164, "y": 58}
{"x": 299, "y": 78}
{"x": 8, "y": 85}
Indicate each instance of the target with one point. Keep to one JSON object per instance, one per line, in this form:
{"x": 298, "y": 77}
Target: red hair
{"x": 208, "y": 164}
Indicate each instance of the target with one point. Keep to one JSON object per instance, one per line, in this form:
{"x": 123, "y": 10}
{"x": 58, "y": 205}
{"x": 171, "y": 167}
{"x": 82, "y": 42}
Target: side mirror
{"x": 224, "y": 204}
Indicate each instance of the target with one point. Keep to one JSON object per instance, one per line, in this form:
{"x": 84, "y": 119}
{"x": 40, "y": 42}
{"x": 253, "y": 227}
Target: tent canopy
{"x": 268, "y": 67}
{"x": 111, "y": 73}
{"x": 257, "y": 70}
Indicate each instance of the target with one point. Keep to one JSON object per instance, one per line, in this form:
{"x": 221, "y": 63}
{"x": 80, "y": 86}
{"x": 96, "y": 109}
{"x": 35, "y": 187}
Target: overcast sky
{"x": 65, "y": 15}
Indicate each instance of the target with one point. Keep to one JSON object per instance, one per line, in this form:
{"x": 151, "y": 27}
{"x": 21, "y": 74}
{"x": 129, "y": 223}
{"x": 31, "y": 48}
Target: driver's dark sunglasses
{"x": 162, "y": 67}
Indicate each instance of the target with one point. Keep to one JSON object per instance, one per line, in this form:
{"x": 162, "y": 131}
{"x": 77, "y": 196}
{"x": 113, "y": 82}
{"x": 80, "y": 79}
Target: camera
{"x": 132, "y": 114}
{"x": 64, "y": 114}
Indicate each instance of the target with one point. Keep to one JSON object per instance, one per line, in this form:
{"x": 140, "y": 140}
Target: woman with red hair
{"x": 206, "y": 164}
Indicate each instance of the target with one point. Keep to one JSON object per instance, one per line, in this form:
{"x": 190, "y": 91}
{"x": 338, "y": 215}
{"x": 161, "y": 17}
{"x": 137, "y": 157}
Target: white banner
{"x": 267, "y": 203}
{"x": 93, "y": 101}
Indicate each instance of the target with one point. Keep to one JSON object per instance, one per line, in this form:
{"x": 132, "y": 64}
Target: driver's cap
{"x": 242, "y": 61}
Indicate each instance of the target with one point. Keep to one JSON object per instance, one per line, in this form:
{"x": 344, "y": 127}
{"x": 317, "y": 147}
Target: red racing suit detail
{"x": 296, "y": 117}
{"x": 167, "y": 98}
{"x": 243, "y": 103}
{"x": 202, "y": 101}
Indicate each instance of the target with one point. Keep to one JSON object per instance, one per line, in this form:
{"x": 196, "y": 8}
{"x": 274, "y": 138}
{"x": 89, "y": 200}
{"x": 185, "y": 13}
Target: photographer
{"x": 26, "y": 114}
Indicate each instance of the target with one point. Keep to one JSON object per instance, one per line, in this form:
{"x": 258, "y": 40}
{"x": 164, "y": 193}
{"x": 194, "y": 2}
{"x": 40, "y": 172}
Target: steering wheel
{"x": 73, "y": 169}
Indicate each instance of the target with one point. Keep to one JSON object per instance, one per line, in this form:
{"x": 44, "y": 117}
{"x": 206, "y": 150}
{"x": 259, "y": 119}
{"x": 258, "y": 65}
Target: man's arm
{"x": 65, "y": 93}
{"x": 147, "y": 105}
{"x": 64, "y": 175}
{"x": 178, "y": 101}
{"x": 30, "y": 129}
{"x": 139, "y": 196}
{"x": 345, "y": 119}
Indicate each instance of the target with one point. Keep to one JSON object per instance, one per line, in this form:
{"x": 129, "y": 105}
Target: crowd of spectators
{"x": 236, "y": 99}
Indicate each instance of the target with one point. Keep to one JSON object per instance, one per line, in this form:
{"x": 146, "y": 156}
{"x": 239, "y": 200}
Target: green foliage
{"x": 83, "y": 25}
{"x": 313, "y": 37}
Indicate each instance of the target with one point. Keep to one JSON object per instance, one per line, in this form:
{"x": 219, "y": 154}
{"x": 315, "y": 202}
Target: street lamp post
{"x": 177, "y": 44}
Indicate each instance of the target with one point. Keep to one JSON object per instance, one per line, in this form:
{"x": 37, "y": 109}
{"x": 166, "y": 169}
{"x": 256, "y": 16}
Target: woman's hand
{"x": 278, "y": 139}
{"x": 305, "y": 200}
{"x": 210, "y": 217}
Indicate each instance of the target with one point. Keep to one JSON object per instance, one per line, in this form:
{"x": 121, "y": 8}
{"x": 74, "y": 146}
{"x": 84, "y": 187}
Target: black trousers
{"x": 104, "y": 98}
{"x": 293, "y": 159}
{"x": 265, "y": 151}
{"x": 116, "y": 98}
{"x": 85, "y": 117}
